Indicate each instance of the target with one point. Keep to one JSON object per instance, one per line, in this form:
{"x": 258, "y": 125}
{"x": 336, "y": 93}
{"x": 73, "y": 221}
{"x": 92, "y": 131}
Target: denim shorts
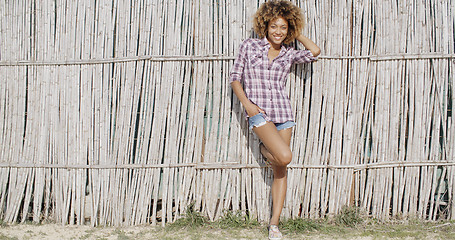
{"x": 259, "y": 120}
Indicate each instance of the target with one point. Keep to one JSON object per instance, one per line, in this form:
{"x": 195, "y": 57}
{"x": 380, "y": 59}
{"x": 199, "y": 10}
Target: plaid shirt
{"x": 264, "y": 83}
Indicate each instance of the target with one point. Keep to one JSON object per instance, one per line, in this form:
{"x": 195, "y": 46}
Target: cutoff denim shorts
{"x": 259, "y": 120}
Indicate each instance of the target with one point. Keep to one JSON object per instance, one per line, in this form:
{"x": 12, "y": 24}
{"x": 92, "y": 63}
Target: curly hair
{"x": 271, "y": 10}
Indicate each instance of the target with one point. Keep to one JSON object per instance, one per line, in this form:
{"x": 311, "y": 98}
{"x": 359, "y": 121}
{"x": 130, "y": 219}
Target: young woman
{"x": 262, "y": 67}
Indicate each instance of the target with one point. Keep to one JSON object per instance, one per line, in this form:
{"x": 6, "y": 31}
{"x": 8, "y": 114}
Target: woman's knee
{"x": 284, "y": 158}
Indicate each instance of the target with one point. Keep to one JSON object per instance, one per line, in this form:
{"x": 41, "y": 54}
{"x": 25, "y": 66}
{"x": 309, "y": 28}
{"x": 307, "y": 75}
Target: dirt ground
{"x": 55, "y": 231}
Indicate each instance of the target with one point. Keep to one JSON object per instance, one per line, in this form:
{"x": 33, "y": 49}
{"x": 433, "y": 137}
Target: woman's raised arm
{"x": 310, "y": 45}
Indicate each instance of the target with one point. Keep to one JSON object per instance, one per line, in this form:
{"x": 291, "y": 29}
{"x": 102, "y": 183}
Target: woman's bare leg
{"x": 275, "y": 144}
{"x": 278, "y": 141}
{"x": 279, "y": 185}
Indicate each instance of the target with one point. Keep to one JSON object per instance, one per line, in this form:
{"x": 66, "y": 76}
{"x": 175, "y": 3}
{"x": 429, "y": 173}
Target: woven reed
{"x": 120, "y": 113}
{"x": 214, "y": 58}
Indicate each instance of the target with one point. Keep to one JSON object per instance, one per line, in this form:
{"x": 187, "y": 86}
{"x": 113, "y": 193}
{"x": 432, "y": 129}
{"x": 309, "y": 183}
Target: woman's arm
{"x": 310, "y": 45}
{"x": 236, "y": 76}
{"x": 250, "y": 108}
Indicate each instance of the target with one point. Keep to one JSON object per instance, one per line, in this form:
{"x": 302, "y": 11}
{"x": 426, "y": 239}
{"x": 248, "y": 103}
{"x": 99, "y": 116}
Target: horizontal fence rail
{"x": 227, "y": 165}
{"x": 183, "y": 58}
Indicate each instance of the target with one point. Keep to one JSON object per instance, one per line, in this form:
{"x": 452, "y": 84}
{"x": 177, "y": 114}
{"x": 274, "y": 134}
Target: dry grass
{"x": 237, "y": 226}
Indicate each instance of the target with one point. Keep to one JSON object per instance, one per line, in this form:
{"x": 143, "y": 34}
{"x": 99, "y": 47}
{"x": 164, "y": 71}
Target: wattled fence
{"x": 120, "y": 112}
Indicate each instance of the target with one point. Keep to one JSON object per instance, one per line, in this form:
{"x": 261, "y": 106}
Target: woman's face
{"x": 277, "y": 31}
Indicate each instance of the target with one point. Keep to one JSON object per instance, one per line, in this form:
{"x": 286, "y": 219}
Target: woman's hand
{"x": 252, "y": 109}
{"x": 310, "y": 45}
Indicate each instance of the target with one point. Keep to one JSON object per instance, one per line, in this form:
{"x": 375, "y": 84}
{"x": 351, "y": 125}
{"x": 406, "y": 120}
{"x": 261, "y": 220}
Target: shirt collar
{"x": 264, "y": 42}
{"x": 266, "y": 45}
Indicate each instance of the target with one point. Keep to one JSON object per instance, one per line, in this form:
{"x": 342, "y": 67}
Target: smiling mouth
{"x": 277, "y": 38}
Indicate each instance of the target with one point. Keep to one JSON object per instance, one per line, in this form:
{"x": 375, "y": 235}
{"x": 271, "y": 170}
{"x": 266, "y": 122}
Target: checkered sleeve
{"x": 303, "y": 56}
{"x": 239, "y": 64}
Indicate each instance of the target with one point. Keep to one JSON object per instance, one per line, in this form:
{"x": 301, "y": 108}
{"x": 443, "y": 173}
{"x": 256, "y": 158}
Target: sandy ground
{"x": 55, "y": 231}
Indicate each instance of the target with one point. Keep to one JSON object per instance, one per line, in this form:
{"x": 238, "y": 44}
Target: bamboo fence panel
{"x": 120, "y": 112}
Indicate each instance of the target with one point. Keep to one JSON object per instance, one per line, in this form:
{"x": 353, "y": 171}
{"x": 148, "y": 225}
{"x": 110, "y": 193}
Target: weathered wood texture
{"x": 120, "y": 112}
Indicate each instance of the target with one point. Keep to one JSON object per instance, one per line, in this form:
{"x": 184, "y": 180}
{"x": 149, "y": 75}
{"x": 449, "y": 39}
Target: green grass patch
{"x": 301, "y": 225}
{"x": 349, "y": 217}
{"x": 2, "y": 223}
{"x": 121, "y": 235}
{"x": 351, "y": 222}
{"x": 3, "y": 237}
{"x": 236, "y": 220}
{"x": 192, "y": 219}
